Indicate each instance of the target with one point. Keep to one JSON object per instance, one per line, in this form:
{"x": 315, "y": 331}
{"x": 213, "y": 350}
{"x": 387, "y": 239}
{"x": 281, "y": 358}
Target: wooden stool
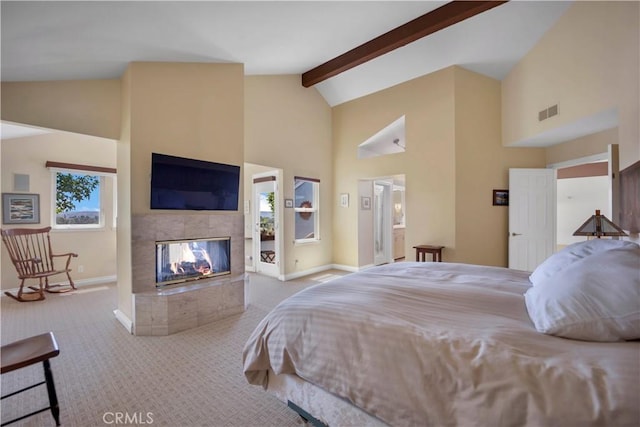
{"x": 26, "y": 352}
{"x": 423, "y": 250}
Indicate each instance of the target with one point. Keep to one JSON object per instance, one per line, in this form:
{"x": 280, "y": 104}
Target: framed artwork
{"x": 344, "y": 200}
{"x": 288, "y": 203}
{"x": 500, "y": 197}
{"x": 20, "y": 208}
{"x": 365, "y": 203}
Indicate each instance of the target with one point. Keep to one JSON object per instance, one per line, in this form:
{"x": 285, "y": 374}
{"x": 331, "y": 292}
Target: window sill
{"x": 74, "y": 229}
{"x": 305, "y": 242}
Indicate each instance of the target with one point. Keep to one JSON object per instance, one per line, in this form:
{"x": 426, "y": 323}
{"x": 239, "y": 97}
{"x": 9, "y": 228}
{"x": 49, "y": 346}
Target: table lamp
{"x": 599, "y": 225}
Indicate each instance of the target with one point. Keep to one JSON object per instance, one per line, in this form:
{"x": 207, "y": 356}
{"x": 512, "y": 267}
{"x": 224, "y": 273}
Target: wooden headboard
{"x": 630, "y": 198}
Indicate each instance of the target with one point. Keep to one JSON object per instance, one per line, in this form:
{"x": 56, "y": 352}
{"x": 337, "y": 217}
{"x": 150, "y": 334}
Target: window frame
{"x": 314, "y": 209}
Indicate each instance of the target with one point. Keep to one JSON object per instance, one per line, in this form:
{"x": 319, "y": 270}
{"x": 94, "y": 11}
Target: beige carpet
{"x": 193, "y": 378}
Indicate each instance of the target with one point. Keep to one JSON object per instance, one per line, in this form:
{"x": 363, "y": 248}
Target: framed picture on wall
{"x": 20, "y": 208}
{"x": 500, "y": 197}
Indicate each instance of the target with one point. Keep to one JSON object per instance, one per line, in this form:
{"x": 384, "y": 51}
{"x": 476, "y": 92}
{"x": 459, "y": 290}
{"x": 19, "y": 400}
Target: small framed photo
{"x": 365, "y": 203}
{"x": 344, "y": 200}
{"x": 288, "y": 203}
{"x": 20, "y": 208}
{"x": 500, "y": 197}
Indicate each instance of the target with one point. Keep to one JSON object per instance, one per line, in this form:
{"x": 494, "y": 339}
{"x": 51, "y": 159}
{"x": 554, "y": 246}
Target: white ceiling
{"x": 70, "y": 40}
{"x": 16, "y": 130}
{"x": 53, "y": 40}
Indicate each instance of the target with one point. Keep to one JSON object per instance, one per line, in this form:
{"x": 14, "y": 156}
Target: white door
{"x": 382, "y": 222}
{"x": 266, "y": 234}
{"x": 532, "y": 220}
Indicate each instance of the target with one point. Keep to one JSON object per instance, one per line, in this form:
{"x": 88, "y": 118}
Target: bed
{"x": 444, "y": 344}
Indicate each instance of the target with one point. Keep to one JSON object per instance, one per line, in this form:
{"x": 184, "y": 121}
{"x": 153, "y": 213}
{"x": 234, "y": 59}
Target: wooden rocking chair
{"x": 31, "y": 254}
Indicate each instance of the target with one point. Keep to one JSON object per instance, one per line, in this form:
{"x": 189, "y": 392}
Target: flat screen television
{"x": 190, "y": 184}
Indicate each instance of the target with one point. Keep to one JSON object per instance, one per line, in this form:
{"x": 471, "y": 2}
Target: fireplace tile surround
{"x": 174, "y": 308}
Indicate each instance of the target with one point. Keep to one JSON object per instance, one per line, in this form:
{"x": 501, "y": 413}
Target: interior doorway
{"x": 382, "y": 221}
{"x": 263, "y": 216}
{"x": 581, "y": 190}
{"x": 597, "y": 195}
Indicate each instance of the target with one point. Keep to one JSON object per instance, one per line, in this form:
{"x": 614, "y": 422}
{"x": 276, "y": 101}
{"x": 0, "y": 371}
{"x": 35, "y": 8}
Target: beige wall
{"x": 288, "y": 127}
{"x": 482, "y": 164}
{"x": 96, "y": 249}
{"x": 587, "y": 63}
{"x": 454, "y": 159}
{"x": 90, "y": 107}
{"x": 428, "y": 164}
{"x": 596, "y": 143}
{"x": 183, "y": 109}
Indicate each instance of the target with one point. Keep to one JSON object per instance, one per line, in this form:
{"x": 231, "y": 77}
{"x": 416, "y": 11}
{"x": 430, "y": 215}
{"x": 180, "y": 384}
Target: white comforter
{"x": 442, "y": 344}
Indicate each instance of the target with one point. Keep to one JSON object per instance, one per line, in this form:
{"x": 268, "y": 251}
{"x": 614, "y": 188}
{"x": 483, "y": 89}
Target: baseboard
{"x": 307, "y": 272}
{"x": 95, "y": 280}
{"x": 318, "y": 269}
{"x": 78, "y": 283}
{"x": 348, "y": 268}
{"x": 122, "y": 318}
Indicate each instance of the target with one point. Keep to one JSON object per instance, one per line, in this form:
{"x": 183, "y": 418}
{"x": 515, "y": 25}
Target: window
{"x": 306, "y": 207}
{"x": 79, "y": 195}
{"x": 77, "y": 201}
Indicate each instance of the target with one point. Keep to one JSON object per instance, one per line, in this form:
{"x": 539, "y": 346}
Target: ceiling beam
{"x": 438, "y": 19}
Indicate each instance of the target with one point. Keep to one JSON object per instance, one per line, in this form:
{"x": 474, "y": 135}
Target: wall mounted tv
{"x": 189, "y": 184}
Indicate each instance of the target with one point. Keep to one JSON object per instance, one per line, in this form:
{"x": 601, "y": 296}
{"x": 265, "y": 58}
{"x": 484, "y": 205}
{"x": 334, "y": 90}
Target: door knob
{"x": 516, "y": 234}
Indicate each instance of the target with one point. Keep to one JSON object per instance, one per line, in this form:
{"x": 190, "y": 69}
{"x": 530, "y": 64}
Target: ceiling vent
{"x": 548, "y": 112}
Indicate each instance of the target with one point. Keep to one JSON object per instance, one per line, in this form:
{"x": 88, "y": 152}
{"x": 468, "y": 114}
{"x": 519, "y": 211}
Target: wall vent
{"x": 542, "y": 115}
{"x": 548, "y": 112}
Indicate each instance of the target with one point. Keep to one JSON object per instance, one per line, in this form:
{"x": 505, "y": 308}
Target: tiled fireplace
{"x": 187, "y": 270}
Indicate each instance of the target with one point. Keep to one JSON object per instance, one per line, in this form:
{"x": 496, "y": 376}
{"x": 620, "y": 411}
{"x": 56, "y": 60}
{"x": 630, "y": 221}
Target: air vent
{"x": 548, "y": 112}
{"x": 542, "y": 115}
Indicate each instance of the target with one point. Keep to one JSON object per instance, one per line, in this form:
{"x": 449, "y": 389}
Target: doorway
{"x": 535, "y": 211}
{"x": 267, "y": 233}
{"x": 382, "y": 221}
{"x": 581, "y": 190}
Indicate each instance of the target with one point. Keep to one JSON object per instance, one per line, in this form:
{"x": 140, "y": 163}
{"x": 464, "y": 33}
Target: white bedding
{"x": 444, "y": 344}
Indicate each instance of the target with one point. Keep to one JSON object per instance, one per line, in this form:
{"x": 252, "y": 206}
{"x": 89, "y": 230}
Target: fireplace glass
{"x": 184, "y": 260}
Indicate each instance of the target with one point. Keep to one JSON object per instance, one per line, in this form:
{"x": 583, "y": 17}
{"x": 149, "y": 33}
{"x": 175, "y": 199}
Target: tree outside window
{"x": 77, "y": 200}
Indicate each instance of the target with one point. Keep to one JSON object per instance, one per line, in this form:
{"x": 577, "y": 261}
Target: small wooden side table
{"x": 423, "y": 250}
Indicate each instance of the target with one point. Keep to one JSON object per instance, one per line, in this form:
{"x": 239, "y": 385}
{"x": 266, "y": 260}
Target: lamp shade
{"x": 599, "y": 225}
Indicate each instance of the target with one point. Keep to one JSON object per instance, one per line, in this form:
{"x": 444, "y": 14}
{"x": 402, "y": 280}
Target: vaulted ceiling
{"x": 51, "y": 40}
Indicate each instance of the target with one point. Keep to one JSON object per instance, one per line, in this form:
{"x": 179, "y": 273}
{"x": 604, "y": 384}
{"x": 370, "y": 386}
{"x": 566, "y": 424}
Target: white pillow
{"x": 573, "y": 253}
{"x": 596, "y": 298}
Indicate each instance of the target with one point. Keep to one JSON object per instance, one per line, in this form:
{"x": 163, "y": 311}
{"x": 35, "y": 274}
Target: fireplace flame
{"x": 188, "y": 260}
